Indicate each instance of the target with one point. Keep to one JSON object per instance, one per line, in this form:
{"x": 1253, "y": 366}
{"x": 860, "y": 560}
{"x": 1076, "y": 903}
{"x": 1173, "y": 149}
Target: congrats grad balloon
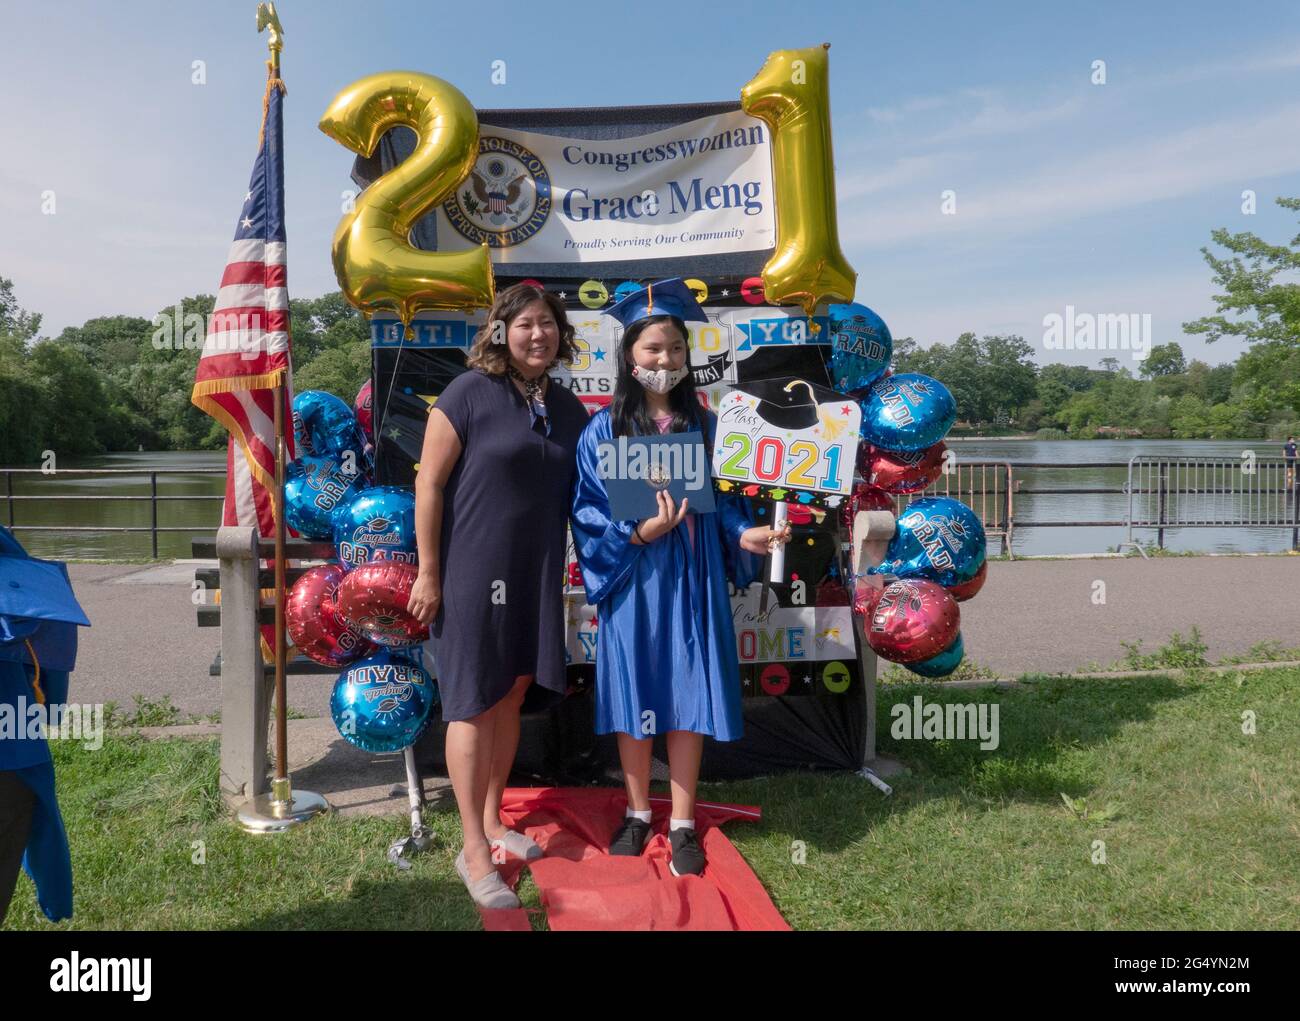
{"x": 382, "y": 703}
{"x": 315, "y": 625}
{"x": 324, "y": 425}
{"x": 378, "y": 525}
{"x": 901, "y": 473}
{"x": 314, "y": 487}
{"x": 860, "y": 347}
{"x": 912, "y": 620}
{"x": 938, "y": 538}
{"x": 373, "y": 598}
{"x": 364, "y": 406}
{"x": 907, "y": 411}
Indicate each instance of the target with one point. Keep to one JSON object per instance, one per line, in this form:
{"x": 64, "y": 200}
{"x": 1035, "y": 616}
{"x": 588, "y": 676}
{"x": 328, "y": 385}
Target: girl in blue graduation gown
{"x": 666, "y": 660}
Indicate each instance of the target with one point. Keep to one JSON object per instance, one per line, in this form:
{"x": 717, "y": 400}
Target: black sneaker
{"x": 688, "y": 857}
{"x": 631, "y": 837}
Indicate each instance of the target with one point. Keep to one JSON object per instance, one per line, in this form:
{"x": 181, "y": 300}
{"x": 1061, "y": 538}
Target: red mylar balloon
{"x": 865, "y": 596}
{"x": 865, "y": 497}
{"x": 901, "y": 473}
{"x": 314, "y": 623}
{"x": 365, "y": 408}
{"x": 913, "y": 620}
{"x": 373, "y": 598}
{"x": 967, "y": 589}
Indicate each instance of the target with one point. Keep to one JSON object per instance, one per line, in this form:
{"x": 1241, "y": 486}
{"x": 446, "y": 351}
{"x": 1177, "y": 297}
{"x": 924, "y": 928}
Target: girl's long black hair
{"x": 628, "y": 411}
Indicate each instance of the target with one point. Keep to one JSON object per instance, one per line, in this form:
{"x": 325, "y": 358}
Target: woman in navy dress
{"x": 491, "y": 503}
{"x": 666, "y": 659}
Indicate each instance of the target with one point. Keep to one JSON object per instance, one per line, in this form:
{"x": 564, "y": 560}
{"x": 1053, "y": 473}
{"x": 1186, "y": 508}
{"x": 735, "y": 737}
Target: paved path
{"x": 1033, "y": 615}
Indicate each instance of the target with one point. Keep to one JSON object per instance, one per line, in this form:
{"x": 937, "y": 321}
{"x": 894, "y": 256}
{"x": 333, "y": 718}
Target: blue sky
{"x": 1097, "y": 196}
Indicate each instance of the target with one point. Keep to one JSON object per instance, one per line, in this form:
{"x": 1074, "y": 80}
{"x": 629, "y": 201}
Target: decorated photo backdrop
{"x": 799, "y": 666}
{"x": 738, "y": 200}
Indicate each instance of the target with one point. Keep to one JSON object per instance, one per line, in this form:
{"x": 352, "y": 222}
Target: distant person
{"x": 1288, "y": 451}
{"x": 39, "y": 616}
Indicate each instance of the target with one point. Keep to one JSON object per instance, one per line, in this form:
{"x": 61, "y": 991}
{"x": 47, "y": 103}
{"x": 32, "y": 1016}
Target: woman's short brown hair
{"x": 491, "y": 353}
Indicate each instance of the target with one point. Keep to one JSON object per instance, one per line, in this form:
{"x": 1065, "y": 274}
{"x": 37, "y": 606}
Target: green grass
{"x": 161, "y": 712}
{"x": 1200, "y": 824}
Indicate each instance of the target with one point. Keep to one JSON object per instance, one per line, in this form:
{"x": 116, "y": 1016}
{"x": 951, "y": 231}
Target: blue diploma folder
{"x": 634, "y": 468}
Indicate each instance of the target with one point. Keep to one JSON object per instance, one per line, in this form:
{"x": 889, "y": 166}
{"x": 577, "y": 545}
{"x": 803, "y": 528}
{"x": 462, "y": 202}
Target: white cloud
{"x": 1122, "y": 174}
{"x": 920, "y": 104}
{"x": 864, "y": 182}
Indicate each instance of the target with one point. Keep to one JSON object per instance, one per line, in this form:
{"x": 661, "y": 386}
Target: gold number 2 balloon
{"x": 791, "y": 93}
{"x": 376, "y": 266}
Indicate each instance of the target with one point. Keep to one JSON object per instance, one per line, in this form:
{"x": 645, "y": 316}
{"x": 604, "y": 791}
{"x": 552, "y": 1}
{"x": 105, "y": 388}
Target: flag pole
{"x": 280, "y": 789}
{"x": 283, "y": 808}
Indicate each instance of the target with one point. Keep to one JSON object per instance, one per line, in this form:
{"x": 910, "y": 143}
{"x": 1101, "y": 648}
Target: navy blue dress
{"x": 505, "y": 508}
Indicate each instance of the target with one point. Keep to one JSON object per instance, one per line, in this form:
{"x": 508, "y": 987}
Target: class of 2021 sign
{"x": 787, "y": 439}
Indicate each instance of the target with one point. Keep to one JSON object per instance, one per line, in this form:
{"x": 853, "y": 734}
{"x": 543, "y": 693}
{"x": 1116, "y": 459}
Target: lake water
{"x": 1034, "y": 503}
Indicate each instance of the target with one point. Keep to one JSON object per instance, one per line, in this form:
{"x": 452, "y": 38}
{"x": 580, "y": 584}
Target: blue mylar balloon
{"x": 938, "y": 538}
{"x": 378, "y": 525}
{"x": 907, "y": 411}
{"x": 860, "y": 347}
{"x": 943, "y": 664}
{"x": 380, "y": 704}
{"x": 326, "y": 426}
{"x": 314, "y": 488}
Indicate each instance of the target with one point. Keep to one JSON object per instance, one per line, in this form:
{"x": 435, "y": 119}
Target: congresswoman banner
{"x": 699, "y": 188}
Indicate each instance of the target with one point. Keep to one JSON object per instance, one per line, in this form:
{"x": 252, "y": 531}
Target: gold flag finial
{"x": 267, "y": 18}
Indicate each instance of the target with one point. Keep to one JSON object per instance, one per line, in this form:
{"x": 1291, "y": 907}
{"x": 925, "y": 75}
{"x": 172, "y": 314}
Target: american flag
{"x": 246, "y": 350}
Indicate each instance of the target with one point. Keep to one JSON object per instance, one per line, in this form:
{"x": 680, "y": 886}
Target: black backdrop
{"x": 812, "y": 722}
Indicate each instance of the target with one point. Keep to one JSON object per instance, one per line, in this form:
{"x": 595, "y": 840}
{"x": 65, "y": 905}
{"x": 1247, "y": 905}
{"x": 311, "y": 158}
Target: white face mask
{"x": 659, "y": 380}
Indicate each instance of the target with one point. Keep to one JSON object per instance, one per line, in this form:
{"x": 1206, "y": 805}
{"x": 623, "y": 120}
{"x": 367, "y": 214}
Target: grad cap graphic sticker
{"x": 784, "y": 403}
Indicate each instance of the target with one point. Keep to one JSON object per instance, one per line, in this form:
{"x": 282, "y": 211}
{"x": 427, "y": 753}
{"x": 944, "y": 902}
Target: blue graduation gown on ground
{"x": 665, "y": 641}
{"x": 39, "y": 615}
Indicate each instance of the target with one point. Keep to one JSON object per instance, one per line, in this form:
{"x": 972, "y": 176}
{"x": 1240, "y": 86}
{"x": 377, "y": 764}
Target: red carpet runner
{"x": 582, "y": 887}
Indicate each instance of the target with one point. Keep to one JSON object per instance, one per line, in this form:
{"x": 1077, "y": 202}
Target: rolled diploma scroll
{"x": 777, "y": 576}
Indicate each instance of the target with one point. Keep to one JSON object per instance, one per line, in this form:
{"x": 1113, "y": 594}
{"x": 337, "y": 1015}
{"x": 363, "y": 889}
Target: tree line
{"x": 124, "y": 382}
{"x": 116, "y": 383}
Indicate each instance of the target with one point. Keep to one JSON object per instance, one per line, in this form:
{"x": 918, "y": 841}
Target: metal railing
{"x": 1162, "y": 492}
{"x": 153, "y": 498}
{"x": 1212, "y": 492}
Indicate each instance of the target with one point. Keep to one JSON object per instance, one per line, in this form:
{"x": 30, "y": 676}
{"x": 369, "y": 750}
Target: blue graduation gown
{"x": 39, "y": 615}
{"x": 665, "y": 640}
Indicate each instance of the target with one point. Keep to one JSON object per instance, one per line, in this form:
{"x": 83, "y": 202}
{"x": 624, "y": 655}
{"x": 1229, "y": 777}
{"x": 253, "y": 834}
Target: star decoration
{"x": 598, "y": 355}
{"x": 563, "y": 295}
{"x": 725, "y": 292}
{"x": 248, "y": 197}
{"x": 246, "y": 223}
{"x": 845, "y": 409}
{"x": 394, "y": 433}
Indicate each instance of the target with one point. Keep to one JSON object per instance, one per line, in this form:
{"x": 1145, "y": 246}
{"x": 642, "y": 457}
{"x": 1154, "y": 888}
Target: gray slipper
{"x": 518, "y": 844}
{"x": 490, "y": 891}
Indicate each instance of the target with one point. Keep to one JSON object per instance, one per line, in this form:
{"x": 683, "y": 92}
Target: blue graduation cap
{"x": 666, "y": 298}
{"x": 37, "y": 605}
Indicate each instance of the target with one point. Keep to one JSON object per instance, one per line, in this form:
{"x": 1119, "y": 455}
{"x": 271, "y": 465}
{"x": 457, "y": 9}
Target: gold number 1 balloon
{"x": 791, "y": 93}
{"x": 376, "y": 266}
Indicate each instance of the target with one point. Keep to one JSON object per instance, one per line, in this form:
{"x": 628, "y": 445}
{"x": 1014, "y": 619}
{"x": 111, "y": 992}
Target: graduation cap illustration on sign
{"x": 786, "y": 404}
